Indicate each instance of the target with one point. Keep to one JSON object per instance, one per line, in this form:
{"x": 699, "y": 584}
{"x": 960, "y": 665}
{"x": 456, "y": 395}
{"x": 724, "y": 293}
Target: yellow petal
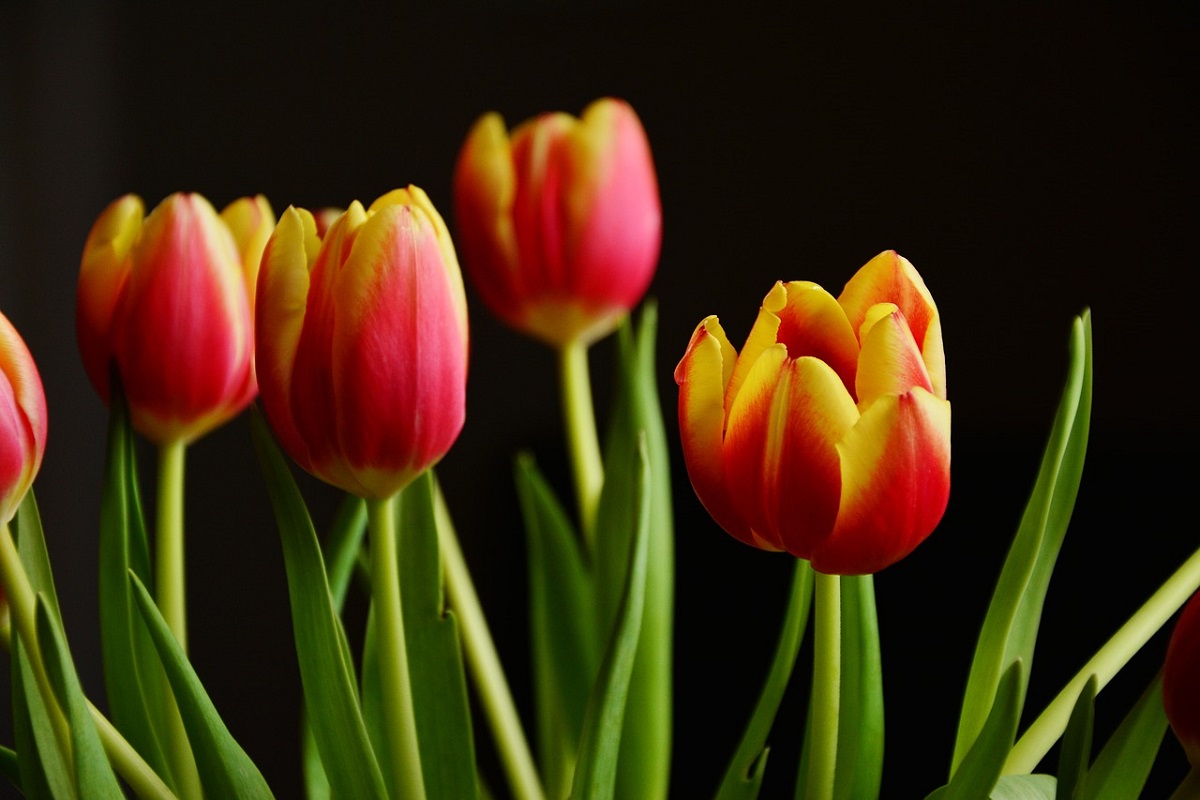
{"x": 890, "y": 362}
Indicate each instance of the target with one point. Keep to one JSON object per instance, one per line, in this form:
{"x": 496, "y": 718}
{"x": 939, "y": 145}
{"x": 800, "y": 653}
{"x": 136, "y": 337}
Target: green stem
{"x": 399, "y": 720}
{"x": 580, "y": 418}
{"x": 169, "y": 584}
{"x": 826, "y": 695}
{"x": 1190, "y": 788}
{"x": 484, "y": 663}
{"x": 125, "y": 760}
{"x": 1116, "y": 652}
{"x": 171, "y": 595}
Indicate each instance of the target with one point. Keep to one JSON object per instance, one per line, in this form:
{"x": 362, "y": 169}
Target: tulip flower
{"x": 1181, "y": 681}
{"x": 22, "y": 421}
{"x": 168, "y": 299}
{"x": 362, "y": 342}
{"x": 828, "y": 436}
{"x": 559, "y": 222}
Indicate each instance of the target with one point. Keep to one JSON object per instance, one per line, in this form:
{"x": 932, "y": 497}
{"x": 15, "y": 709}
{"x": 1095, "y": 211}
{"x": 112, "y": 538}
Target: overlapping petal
{"x": 22, "y": 420}
{"x": 1181, "y": 690}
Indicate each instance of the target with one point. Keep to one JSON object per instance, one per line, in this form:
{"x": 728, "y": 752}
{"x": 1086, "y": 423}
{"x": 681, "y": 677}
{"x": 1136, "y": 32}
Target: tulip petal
{"x": 251, "y": 221}
{"x": 102, "y": 277}
{"x": 895, "y": 483}
{"x": 812, "y": 323}
{"x": 764, "y": 334}
{"x": 1181, "y": 692}
{"x": 890, "y": 362}
{"x": 22, "y": 419}
{"x": 702, "y": 375}
{"x": 780, "y": 451}
{"x": 890, "y": 278}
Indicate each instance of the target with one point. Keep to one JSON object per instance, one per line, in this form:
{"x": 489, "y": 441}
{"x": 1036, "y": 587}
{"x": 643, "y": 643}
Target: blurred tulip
{"x": 22, "y": 421}
{"x": 362, "y": 342}
{"x": 168, "y": 299}
{"x": 829, "y": 435}
{"x": 1181, "y": 680}
{"x": 560, "y": 224}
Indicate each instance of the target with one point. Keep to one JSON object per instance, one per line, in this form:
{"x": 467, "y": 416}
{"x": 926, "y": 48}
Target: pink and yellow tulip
{"x": 362, "y": 342}
{"x": 1181, "y": 681}
{"x": 559, "y": 222}
{"x": 22, "y": 421}
{"x": 167, "y": 298}
{"x": 828, "y": 436}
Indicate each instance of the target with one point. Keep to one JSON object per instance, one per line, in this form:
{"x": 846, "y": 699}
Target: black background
{"x": 1029, "y": 163}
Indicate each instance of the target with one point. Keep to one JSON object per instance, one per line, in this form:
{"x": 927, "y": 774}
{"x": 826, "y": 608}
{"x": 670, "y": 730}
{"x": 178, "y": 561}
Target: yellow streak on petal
{"x": 251, "y": 221}
{"x": 762, "y": 336}
{"x": 890, "y": 363}
{"x": 283, "y": 297}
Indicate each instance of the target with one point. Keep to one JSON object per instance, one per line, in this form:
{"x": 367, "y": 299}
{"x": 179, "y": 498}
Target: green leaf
{"x": 562, "y": 626}
{"x": 1010, "y": 628}
{"x": 1026, "y": 787}
{"x": 44, "y": 772}
{"x": 743, "y": 778}
{"x": 1121, "y": 769}
{"x": 225, "y": 769}
{"x": 860, "y": 710}
{"x": 600, "y": 743}
{"x": 9, "y": 768}
{"x": 979, "y": 772}
{"x": 131, "y": 669}
{"x": 435, "y": 662}
{"x": 94, "y": 777}
{"x": 1076, "y": 750}
{"x": 326, "y": 667}
{"x": 637, "y": 421}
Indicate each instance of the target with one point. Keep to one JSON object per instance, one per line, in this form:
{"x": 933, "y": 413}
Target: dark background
{"x": 1029, "y": 163}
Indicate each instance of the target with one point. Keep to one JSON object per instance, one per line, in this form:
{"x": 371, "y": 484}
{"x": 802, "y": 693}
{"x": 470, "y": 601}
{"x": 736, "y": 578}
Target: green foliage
{"x": 1076, "y": 749}
{"x": 1121, "y": 769}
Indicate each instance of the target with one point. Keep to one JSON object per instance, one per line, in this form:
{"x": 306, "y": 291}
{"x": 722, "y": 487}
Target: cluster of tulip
{"x": 827, "y": 436}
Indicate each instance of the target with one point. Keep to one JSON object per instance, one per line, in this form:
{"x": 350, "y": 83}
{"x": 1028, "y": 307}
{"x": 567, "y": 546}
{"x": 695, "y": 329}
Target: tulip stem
{"x": 484, "y": 663}
{"x": 170, "y": 590}
{"x": 125, "y": 760}
{"x": 1108, "y": 660}
{"x": 580, "y": 417}
{"x": 825, "y": 704}
{"x": 399, "y": 720}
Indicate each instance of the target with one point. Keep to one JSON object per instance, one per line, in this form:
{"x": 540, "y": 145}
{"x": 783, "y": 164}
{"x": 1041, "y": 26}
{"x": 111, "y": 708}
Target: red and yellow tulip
{"x": 168, "y": 299}
{"x": 22, "y": 421}
{"x": 828, "y": 436}
{"x": 1181, "y": 680}
{"x": 560, "y": 223}
{"x": 362, "y": 342}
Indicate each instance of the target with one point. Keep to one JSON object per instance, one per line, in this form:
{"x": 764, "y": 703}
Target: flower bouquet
{"x": 824, "y": 438}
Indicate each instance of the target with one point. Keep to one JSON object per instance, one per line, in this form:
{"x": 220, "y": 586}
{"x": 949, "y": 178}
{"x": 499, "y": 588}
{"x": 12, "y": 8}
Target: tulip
{"x": 560, "y": 223}
{"x": 1181, "y": 680}
{"x": 828, "y": 436}
{"x": 362, "y": 342}
{"x": 22, "y": 421}
{"x": 167, "y": 298}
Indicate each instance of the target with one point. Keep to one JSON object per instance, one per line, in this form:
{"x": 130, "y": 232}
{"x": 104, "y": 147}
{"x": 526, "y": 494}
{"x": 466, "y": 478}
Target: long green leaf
{"x": 1076, "y": 751}
{"x": 225, "y": 769}
{"x": 1026, "y": 787}
{"x": 743, "y": 778}
{"x": 600, "y": 743}
{"x": 131, "y": 669}
{"x": 326, "y": 668}
{"x": 434, "y": 656}
{"x": 979, "y": 772}
{"x": 1010, "y": 628}
{"x": 94, "y": 777}
{"x": 9, "y": 768}
{"x": 1121, "y": 769}
{"x": 645, "y": 760}
{"x": 562, "y": 626}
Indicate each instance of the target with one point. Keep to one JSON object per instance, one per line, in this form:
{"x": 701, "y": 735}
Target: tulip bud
{"x": 1181, "y": 680}
{"x": 167, "y": 299}
{"x": 560, "y": 223}
{"x": 22, "y": 421}
{"x": 362, "y": 342}
{"x": 829, "y": 435}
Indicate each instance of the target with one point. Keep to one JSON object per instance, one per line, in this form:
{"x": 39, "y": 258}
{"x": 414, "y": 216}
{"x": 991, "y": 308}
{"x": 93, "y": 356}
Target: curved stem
{"x": 127, "y": 762}
{"x": 1116, "y": 652}
{"x": 399, "y": 720}
{"x": 484, "y": 663}
{"x": 580, "y": 418}
{"x": 826, "y": 695}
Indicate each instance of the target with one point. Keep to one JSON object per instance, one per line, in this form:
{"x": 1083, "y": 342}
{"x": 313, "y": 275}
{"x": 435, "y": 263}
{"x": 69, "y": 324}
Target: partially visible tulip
{"x": 362, "y": 342}
{"x": 167, "y": 298}
{"x": 1181, "y": 680}
{"x": 829, "y": 435}
{"x": 560, "y": 223}
{"x": 22, "y": 421}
